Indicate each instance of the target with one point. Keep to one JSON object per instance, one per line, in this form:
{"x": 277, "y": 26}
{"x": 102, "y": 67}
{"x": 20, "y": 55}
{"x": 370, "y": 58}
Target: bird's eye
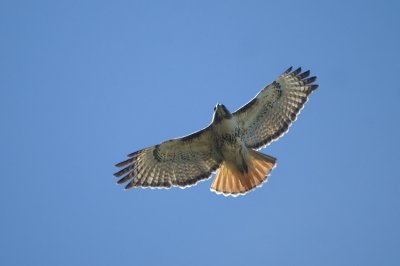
{"x": 215, "y": 108}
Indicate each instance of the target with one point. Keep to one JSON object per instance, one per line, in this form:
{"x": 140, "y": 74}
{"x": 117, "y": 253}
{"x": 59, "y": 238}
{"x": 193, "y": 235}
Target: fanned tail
{"x": 231, "y": 182}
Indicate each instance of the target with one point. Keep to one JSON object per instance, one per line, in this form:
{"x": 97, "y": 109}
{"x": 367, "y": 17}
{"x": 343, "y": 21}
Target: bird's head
{"x": 220, "y": 113}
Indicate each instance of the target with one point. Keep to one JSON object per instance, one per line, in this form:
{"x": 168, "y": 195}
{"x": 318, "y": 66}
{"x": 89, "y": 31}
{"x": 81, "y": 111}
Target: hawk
{"x": 228, "y": 145}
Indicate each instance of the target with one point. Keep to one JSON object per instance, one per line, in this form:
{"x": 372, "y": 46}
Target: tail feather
{"x": 231, "y": 182}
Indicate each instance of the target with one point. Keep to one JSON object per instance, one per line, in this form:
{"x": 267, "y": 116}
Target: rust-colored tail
{"x": 231, "y": 182}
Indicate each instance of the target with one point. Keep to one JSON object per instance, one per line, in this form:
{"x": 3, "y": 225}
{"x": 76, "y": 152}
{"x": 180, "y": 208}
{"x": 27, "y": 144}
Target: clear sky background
{"x": 83, "y": 83}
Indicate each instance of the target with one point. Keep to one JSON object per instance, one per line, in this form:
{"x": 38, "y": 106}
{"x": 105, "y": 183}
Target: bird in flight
{"x": 228, "y": 145}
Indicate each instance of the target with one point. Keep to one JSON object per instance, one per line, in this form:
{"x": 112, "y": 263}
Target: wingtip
{"x": 304, "y": 74}
{"x": 297, "y": 71}
{"x": 314, "y": 87}
{"x": 119, "y": 164}
{"x": 124, "y": 163}
{"x": 134, "y": 154}
{"x": 310, "y": 80}
{"x": 124, "y": 179}
{"x": 129, "y": 185}
{"x": 288, "y": 70}
{"x": 122, "y": 172}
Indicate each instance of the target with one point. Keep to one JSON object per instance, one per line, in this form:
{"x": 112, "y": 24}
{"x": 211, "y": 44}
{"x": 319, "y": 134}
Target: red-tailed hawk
{"x": 228, "y": 145}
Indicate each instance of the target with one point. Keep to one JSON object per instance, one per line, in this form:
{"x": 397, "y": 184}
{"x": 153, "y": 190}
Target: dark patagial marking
{"x": 193, "y": 136}
{"x": 246, "y": 107}
{"x": 156, "y": 154}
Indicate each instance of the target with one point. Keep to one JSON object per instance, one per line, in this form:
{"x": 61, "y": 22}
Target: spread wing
{"x": 269, "y": 115}
{"x": 178, "y": 162}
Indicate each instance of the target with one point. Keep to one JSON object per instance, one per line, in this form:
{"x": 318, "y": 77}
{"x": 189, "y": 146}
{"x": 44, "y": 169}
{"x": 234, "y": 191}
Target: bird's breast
{"x": 229, "y": 143}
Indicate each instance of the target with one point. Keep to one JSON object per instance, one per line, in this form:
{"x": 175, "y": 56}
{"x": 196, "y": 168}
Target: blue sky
{"x": 83, "y": 83}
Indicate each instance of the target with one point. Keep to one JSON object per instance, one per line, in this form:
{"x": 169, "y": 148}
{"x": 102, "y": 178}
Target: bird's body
{"x": 228, "y": 138}
{"x": 226, "y": 145}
